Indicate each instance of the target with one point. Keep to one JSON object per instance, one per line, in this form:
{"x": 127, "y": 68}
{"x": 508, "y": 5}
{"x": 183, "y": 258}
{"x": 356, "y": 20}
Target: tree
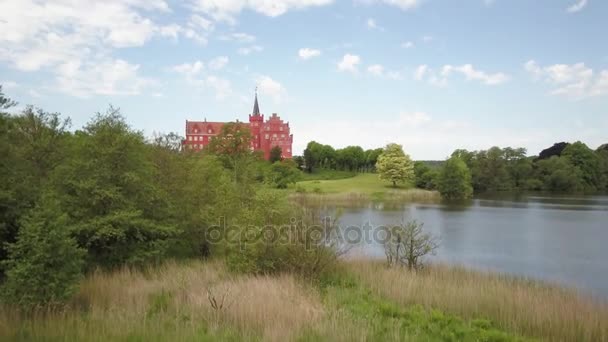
{"x": 5, "y": 102}
{"x": 282, "y": 173}
{"x": 407, "y": 244}
{"x": 108, "y": 187}
{"x": 558, "y": 174}
{"x": 588, "y": 162}
{"x": 555, "y": 150}
{"x": 276, "y": 154}
{"x": 394, "y": 165}
{"x": 455, "y": 180}
{"x": 45, "y": 263}
{"x": 426, "y": 178}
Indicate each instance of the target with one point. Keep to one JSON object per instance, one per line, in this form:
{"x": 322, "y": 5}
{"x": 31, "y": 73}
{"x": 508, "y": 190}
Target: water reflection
{"x": 559, "y": 238}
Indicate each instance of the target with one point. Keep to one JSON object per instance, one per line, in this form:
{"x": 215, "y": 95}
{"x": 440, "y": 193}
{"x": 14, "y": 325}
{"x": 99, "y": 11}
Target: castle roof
{"x": 256, "y": 107}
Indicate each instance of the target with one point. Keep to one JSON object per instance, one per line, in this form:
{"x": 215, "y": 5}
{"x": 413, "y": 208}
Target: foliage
{"x": 276, "y": 154}
{"x": 455, "y": 180}
{"x": 351, "y": 158}
{"x": 426, "y": 178}
{"x": 117, "y": 211}
{"x": 555, "y": 150}
{"x": 33, "y": 145}
{"x": 394, "y": 165}
{"x": 272, "y": 237}
{"x": 558, "y": 174}
{"x": 588, "y": 162}
{"x": 282, "y": 173}
{"x": 44, "y": 264}
{"x": 407, "y": 244}
{"x": 5, "y": 102}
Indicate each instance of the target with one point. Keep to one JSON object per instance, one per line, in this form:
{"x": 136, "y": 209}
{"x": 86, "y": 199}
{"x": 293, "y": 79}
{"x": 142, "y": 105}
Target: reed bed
{"x": 173, "y": 302}
{"x": 521, "y": 306}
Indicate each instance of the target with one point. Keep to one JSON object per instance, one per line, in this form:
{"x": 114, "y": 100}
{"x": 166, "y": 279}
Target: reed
{"x": 521, "y": 306}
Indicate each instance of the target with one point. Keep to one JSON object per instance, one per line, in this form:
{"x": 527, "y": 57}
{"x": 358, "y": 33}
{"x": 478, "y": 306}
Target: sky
{"x": 432, "y": 75}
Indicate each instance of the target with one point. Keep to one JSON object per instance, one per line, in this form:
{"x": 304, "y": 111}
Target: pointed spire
{"x": 256, "y": 107}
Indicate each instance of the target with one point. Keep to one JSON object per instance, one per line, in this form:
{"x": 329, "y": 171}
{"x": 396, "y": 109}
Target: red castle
{"x": 264, "y": 135}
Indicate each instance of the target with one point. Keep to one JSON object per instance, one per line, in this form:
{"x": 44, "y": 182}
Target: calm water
{"x": 562, "y": 239}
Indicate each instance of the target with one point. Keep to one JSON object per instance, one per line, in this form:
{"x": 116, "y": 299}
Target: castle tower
{"x": 256, "y": 122}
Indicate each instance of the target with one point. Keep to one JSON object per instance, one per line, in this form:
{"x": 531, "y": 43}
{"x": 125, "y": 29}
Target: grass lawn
{"x": 366, "y": 183}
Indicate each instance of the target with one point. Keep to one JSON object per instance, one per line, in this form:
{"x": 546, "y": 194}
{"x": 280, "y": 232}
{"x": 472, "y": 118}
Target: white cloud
{"x": 218, "y": 63}
{"x": 427, "y": 39}
{"x": 268, "y": 86}
{"x": 248, "y": 50}
{"x": 240, "y": 37}
{"x": 349, "y": 63}
{"x": 420, "y": 72}
{"x": 307, "y": 53}
{"x": 194, "y": 73}
{"x": 575, "y": 81}
{"x": 407, "y": 45}
{"x": 54, "y": 34}
{"x": 402, "y": 4}
{"x": 376, "y": 70}
{"x": 440, "y": 78}
{"x": 221, "y": 86}
{"x": 189, "y": 69}
{"x": 115, "y": 77}
{"x": 579, "y": 5}
{"x": 225, "y": 10}
{"x": 371, "y": 23}
{"x": 471, "y": 74}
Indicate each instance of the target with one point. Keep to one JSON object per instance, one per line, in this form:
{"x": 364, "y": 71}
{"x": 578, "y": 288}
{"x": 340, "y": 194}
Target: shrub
{"x": 408, "y": 244}
{"x": 44, "y": 264}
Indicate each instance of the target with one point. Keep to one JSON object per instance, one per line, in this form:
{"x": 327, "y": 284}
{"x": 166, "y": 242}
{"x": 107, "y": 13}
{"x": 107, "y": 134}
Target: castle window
{"x": 288, "y": 150}
{"x": 282, "y": 135}
{"x": 266, "y": 136}
{"x": 190, "y": 138}
{"x": 281, "y": 128}
{"x": 196, "y": 130}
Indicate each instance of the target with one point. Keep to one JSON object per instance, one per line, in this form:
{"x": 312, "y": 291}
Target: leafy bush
{"x": 45, "y": 264}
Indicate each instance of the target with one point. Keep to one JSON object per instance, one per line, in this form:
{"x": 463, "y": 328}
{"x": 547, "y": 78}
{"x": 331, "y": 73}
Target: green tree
{"x": 394, "y": 165}
{"x": 455, "y": 180}
{"x": 426, "y": 178}
{"x": 276, "y": 154}
{"x": 33, "y": 145}
{"x": 559, "y": 174}
{"x": 588, "y": 162}
{"x": 282, "y": 173}
{"x": 109, "y": 189}
{"x": 45, "y": 263}
{"x": 5, "y": 102}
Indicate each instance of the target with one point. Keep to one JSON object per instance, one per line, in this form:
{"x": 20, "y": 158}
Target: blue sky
{"x": 433, "y": 75}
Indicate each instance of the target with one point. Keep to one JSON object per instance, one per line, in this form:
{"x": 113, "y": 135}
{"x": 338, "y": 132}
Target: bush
{"x": 44, "y": 264}
{"x": 274, "y": 237}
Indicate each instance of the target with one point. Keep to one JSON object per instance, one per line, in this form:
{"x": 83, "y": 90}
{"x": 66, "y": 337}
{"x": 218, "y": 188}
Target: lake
{"x": 561, "y": 239}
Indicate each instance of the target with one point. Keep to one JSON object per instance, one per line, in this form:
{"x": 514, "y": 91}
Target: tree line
{"x": 105, "y": 196}
{"x": 563, "y": 167}
{"x": 350, "y": 158}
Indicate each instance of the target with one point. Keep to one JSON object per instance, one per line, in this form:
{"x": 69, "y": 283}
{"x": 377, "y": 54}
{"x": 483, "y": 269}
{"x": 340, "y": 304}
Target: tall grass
{"x": 521, "y": 306}
{"x": 173, "y": 303}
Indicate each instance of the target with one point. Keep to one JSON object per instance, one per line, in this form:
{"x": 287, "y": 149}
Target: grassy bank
{"x": 360, "y": 189}
{"x": 365, "y": 302}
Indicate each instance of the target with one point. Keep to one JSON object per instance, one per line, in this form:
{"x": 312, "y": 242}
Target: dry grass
{"x": 172, "y": 302}
{"x": 517, "y": 305}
